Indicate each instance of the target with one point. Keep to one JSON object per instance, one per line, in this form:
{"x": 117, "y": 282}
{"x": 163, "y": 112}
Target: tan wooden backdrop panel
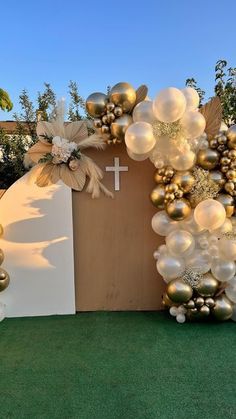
{"x": 114, "y": 241}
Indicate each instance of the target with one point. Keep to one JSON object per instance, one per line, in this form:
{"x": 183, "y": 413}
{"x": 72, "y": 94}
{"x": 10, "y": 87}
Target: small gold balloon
{"x": 178, "y": 291}
{"x": 208, "y": 159}
{"x": 166, "y": 301}
{"x": 190, "y": 304}
{"x": 217, "y": 177}
{"x": 1, "y": 256}
{"x": 184, "y": 180}
{"x": 110, "y": 107}
{"x": 157, "y": 177}
{"x": 105, "y": 129}
{"x": 4, "y": 279}
{"x": 97, "y": 123}
{"x": 228, "y": 203}
{"x": 104, "y": 119}
{"x": 123, "y": 95}
{"x": 204, "y": 310}
{"x": 207, "y": 285}
{"x": 178, "y": 209}
{"x": 223, "y": 308}
{"x": 96, "y": 104}
{"x": 199, "y": 301}
{"x": 118, "y": 111}
{"x": 210, "y": 302}
{"x": 157, "y": 196}
{"x": 231, "y": 135}
{"x": 120, "y": 125}
{"x": 110, "y": 117}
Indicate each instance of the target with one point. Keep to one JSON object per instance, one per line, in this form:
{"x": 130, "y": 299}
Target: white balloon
{"x": 137, "y": 157}
{"x": 193, "y": 123}
{"x": 190, "y": 225}
{"x": 192, "y": 98}
{"x": 210, "y": 214}
{"x": 139, "y": 138}
{"x": 227, "y": 248}
{"x": 199, "y": 260}
{"x": 169, "y": 105}
{"x": 230, "y": 290}
{"x": 180, "y": 318}
{"x": 162, "y": 224}
{"x": 173, "y": 311}
{"x": 180, "y": 242}
{"x": 183, "y": 161}
{"x": 223, "y": 270}
{"x": 225, "y": 228}
{"x": 170, "y": 267}
{"x": 143, "y": 111}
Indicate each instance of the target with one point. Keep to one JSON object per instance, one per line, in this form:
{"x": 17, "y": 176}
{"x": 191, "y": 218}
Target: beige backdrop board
{"x": 114, "y": 241}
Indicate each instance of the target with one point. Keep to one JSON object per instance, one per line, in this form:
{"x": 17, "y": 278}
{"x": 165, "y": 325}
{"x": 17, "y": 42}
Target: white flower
{"x": 62, "y": 149}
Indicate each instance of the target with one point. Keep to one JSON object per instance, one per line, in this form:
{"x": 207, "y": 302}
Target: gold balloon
{"x": 184, "y": 180}
{"x": 96, "y": 104}
{"x": 157, "y": 177}
{"x": 157, "y": 196}
{"x": 120, "y": 125}
{"x": 199, "y": 302}
{"x": 223, "y": 308}
{"x": 231, "y": 135}
{"x": 1, "y": 256}
{"x": 208, "y": 159}
{"x": 228, "y": 203}
{"x": 178, "y": 291}
{"x": 123, "y": 95}
{"x": 217, "y": 177}
{"x": 204, "y": 310}
{"x": 166, "y": 301}
{"x": 210, "y": 302}
{"x": 178, "y": 209}
{"x": 4, "y": 279}
{"x": 207, "y": 285}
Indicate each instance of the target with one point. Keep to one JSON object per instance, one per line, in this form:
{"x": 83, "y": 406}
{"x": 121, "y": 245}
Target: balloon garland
{"x": 194, "y": 154}
{"x": 4, "y": 279}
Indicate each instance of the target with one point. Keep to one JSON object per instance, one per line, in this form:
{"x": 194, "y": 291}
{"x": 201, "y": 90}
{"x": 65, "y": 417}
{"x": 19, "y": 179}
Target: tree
{"x": 5, "y": 101}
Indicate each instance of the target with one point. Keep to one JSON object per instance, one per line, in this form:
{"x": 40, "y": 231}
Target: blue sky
{"x": 159, "y": 43}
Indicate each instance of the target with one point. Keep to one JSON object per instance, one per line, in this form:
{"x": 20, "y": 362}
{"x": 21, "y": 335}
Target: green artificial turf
{"x": 116, "y": 365}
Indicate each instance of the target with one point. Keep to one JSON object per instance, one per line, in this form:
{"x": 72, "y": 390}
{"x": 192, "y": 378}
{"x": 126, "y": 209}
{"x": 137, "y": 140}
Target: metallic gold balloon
{"x": 208, "y": 159}
{"x": 166, "y": 301}
{"x": 4, "y": 279}
{"x": 110, "y": 107}
{"x": 157, "y": 196}
{"x": 231, "y": 135}
{"x": 178, "y": 291}
{"x": 190, "y": 304}
{"x": 97, "y": 123}
{"x": 184, "y": 180}
{"x": 218, "y": 177}
{"x": 199, "y": 301}
{"x": 105, "y": 129}
{"x": 204, "y": 310}
{"x": 178, "y": 209}
{"x": 210, "y": 302}
{"x": 1, "y": 256}
{"x": 228, "y": 203}
{"x": 120, "y": 125}
{"x": 207, "y": 285}
{"x": 157, "y": 177}
{"x": 223, "y": 308}
{"x": 96, "y": 104}
{"x": 123, "y": 95}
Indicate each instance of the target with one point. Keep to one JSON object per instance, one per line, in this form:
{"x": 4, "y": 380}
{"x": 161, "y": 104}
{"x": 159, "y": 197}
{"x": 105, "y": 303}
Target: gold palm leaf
{"x": 212, "y": 112}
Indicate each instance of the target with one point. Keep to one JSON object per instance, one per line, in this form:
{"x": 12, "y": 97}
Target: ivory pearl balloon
{"x": 169, "y": 105}
{"x": 137, "y": 157}
{"x": 162, "y": 224}
{"x": 209, "y": 214}
{"x": 227, "y": 248}
{"x": 225, "y": 228}
{"x": 223, "y": 270}
{"x": 223, "y": 308}
{"x": 170, "y": 267}
{"x": 139, "y": 137}
{"x": 183, "y": 161}
{"x": 190, "y": 225}
{"x": 230, "y": 290}
{"x": 143, "y": 111}
{"x": 200, "y": 261}
{"x": 193, "y": 124}
{"x": 180, "y": 243}
{"x": 192, "y": 98}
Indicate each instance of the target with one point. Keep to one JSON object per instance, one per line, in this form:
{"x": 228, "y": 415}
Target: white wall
{"x": 38, "y": 247}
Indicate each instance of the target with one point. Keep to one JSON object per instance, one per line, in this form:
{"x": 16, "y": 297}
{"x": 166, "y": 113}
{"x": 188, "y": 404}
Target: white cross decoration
{"x": 117, "y": 169}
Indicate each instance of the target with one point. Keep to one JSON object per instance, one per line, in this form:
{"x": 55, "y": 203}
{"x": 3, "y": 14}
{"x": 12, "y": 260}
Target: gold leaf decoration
{"x": 44, "y": 178}
{"x": 212, "y": 112}
{"x": 38, "y": 151}
{"x": 69, "y": 177}
{"x": 141, "y": 94}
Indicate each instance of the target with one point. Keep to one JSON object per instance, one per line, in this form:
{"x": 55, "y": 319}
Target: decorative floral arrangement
{"x": 59, "y": 155}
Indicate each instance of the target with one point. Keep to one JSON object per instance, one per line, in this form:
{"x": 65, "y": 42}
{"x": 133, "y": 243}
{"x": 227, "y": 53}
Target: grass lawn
{"x": 126, "y": 365}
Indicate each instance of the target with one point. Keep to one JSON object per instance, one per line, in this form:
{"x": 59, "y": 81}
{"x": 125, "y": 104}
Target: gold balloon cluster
{"x": 220, "y": 160}
{"x": 207, "y": 298}
{"x": 170, "y": 190}
{"x": 4, "y": 277}
{"x": 112, "y": 113}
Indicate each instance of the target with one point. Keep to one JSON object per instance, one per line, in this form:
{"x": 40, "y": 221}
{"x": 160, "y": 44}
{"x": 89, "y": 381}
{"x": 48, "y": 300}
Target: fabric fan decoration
{"x": 58, "y": 155}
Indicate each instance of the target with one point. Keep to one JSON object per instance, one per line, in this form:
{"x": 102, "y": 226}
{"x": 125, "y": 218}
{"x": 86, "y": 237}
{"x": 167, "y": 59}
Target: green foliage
{"x": 77, "y": 103}
{"x": 192, "y": 83}
{"x": 5, "y": 101}
{"x": 225, "y": 88}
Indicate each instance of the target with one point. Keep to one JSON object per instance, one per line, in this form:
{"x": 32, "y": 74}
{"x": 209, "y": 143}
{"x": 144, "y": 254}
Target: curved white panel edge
{"x": 38, "y": 247}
